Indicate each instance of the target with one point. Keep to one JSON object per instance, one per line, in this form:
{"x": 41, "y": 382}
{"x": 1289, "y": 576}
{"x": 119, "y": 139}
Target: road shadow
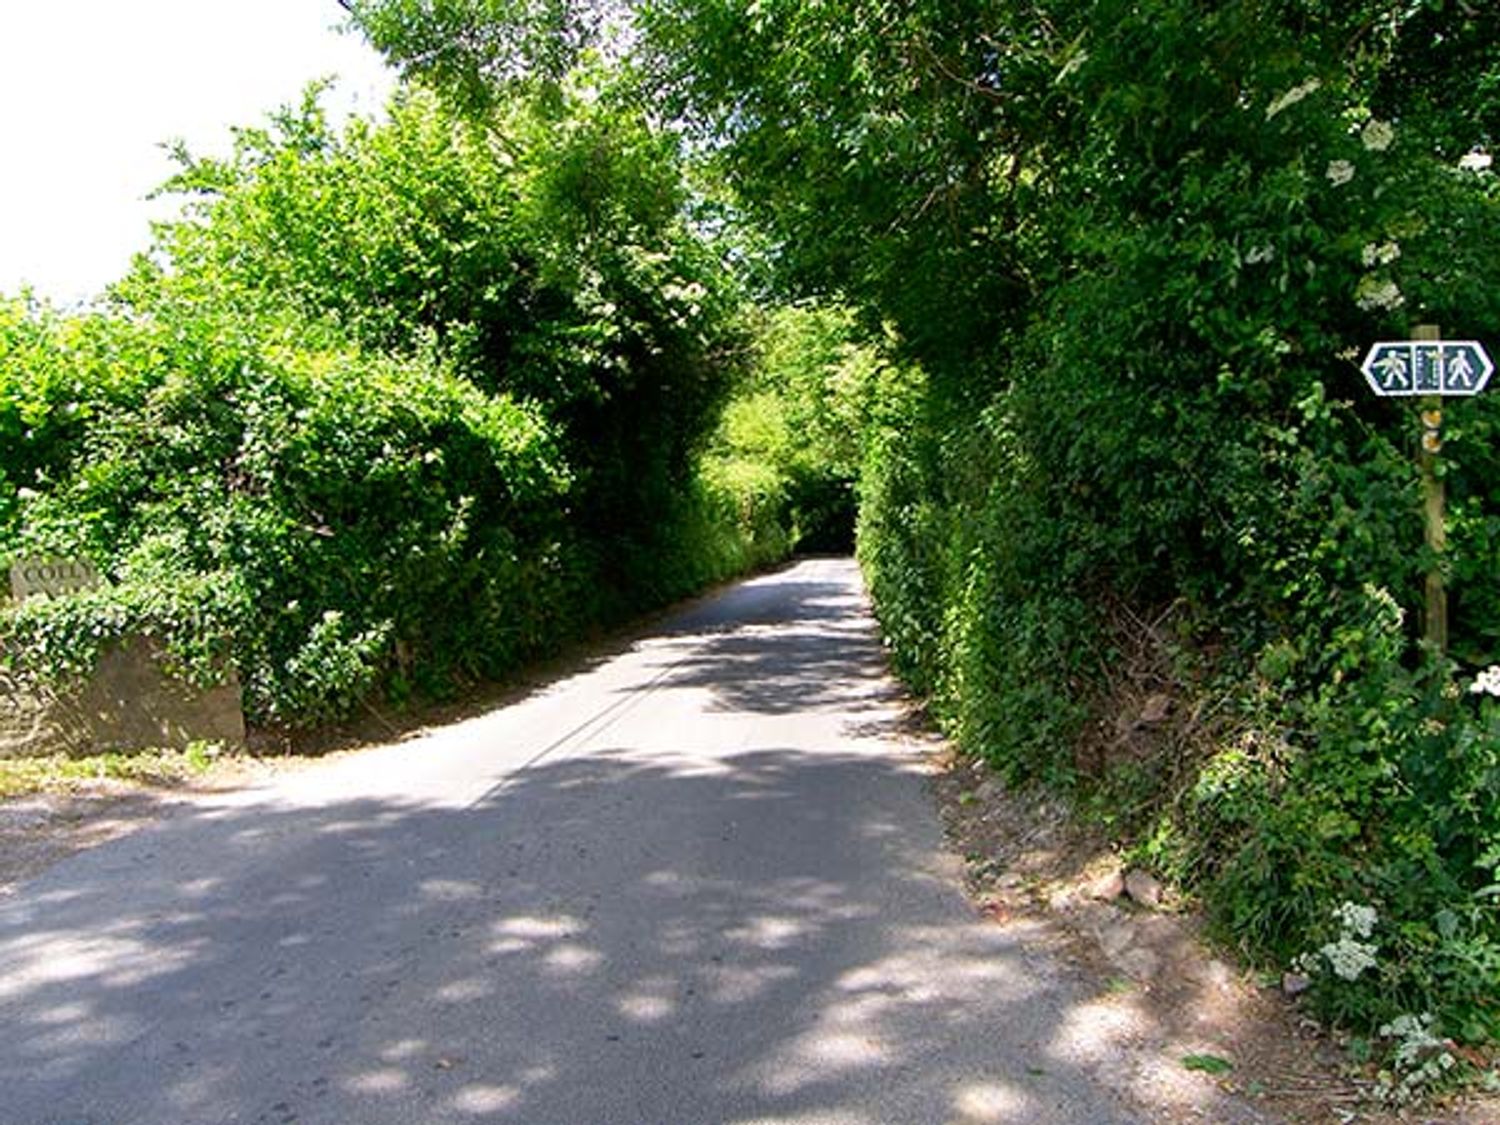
{"x": 762, "y": 926}
{"x": 782, "y": 648}
{"x": 553, "y": 954}
{"x": 713, "y": 610}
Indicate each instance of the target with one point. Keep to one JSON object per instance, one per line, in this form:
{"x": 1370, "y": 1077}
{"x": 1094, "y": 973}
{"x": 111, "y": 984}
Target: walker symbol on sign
{"x": 1427, "y": 367}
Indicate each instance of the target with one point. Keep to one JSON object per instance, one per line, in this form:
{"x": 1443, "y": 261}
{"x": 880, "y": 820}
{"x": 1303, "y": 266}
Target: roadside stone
{"x": 1116, "y": 938}
{"x": 1138, "y": 962}
{"x": 1107, "y": 925}
{"x": 1294, "y": 984}
{"x": 1108, "y": 887}
{"x": 1158, "y": 707}
{"x": 1063, "y": 900}
{"x": 1218, "y": 975}
{"x": 990, "y": 791}
{"x": 1143, "y": 888}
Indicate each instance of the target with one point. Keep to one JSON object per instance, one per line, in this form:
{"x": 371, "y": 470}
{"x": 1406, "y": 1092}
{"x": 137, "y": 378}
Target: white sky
{"x": 90, "y": 89}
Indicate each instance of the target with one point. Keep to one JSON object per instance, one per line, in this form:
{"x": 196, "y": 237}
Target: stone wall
{"x": 128, "y": 704}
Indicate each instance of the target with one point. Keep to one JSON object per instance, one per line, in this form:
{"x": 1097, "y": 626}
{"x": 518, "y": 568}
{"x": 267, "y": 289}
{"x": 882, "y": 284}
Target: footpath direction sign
{"x": 1427, "y": 367}
{"x": 1430, "y": 368}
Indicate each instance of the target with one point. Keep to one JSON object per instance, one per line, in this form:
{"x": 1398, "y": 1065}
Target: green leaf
{"x": 1208, "y": 1064}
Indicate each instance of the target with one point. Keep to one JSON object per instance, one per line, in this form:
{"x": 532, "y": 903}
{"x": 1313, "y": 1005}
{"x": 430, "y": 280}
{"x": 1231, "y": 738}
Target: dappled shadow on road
{"x": 786, "y": 669}
{"x": 706, "y": 887}
{"x": 820, "y": 588}
{"x": 792, "y": 648}
{"x": 597, "y": 940}
{"x": 800, "y": 613}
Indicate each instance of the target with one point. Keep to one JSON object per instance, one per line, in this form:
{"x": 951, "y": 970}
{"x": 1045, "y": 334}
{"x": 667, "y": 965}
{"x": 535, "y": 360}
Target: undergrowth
{"x": 59, "y": 773}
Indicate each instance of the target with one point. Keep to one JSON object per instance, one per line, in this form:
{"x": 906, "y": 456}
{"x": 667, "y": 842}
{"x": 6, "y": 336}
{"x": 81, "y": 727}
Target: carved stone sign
{"x": 43, "y": 577}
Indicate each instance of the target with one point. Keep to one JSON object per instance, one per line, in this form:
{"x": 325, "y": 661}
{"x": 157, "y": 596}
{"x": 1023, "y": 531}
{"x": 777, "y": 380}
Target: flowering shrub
{"x": 1350, "y": 954}
{"x": 1419, "y": 1059}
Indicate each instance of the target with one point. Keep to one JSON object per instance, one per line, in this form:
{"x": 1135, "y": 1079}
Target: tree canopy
{"x": 1134, "y": 250}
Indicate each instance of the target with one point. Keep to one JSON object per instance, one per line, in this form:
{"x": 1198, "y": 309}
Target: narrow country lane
{"x": 697, "y": 882}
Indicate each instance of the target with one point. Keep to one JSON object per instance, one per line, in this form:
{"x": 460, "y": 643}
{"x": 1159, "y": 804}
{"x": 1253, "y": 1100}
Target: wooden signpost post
{"x": 1429, "y": 367}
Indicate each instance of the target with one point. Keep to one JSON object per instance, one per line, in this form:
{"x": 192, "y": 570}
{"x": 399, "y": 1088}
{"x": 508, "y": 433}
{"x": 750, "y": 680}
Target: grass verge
{"x": 57, "y": 773}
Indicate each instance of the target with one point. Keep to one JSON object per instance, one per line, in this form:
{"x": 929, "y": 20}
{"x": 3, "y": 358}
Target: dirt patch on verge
{"x": 61, "y": 819}
{"x": 1200, "y": 1039}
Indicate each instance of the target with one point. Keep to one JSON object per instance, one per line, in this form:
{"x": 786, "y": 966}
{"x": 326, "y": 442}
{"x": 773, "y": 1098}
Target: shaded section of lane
{"x": 709, "y": 889}
{"x": 556, "y": 954}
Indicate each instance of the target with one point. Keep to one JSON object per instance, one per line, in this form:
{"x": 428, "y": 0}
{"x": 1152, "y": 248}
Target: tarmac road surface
{"x": 698, "y": 881}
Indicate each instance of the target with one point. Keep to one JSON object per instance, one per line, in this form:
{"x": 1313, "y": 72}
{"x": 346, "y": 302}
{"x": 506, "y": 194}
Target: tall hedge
{"x": 387, "y": 408}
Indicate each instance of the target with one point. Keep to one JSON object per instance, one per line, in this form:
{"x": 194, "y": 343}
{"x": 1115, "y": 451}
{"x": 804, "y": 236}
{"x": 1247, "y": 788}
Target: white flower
{"x": 1348, "y": 958}
{"x": 1487, "y": 682}
{"x": 1377, "y": 135}
{"x": 1420, "y": 1059}
{"x": 1259, "y": 254}
{"x": 1476, "y": 161}
{"x": 1415, "y": 1035}
{"x": 1340, "y": 172}
{"x": 1292, "y": 97}
{"x": 1378, "y": 293}
{"x": 1385, "y": 601}
{"x": 1355, "y": 919}
{"x": 1381, "y": 255}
